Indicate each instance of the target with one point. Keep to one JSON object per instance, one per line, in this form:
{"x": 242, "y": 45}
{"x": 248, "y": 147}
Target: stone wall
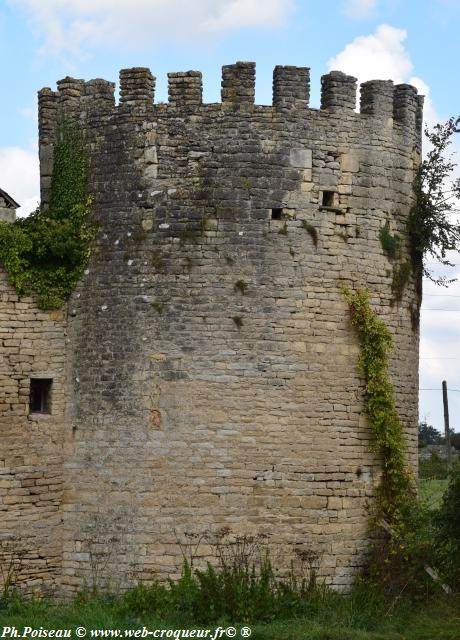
{"x": 212, "y": 370}
{"x": 7, "y": 212}
{"x": 32, "y": 347}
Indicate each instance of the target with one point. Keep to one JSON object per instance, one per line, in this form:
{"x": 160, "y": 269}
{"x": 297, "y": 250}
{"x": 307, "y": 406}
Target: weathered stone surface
{"x": 210, "y": 374}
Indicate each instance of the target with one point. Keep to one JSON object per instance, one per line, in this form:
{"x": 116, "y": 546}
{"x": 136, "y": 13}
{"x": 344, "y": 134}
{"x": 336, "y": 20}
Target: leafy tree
{"x": 431, "y": 228}
{"x": 427, "y": 434}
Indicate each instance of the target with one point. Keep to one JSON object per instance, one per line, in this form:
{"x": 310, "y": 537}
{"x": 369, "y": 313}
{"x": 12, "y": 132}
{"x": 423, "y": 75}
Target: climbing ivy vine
{"x": 396, "y": 489}
{"x": 47, "y": 252}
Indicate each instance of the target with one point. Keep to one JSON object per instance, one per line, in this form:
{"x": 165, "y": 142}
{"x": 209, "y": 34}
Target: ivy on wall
{"x": 396, "y": 489}
{"x": 46, "y": 253}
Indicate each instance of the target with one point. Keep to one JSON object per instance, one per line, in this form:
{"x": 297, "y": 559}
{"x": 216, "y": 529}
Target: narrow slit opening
{"x": 40, "y": 395}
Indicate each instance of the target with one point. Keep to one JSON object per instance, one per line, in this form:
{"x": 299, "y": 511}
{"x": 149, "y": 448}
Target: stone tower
{"x": 204, "y": 373}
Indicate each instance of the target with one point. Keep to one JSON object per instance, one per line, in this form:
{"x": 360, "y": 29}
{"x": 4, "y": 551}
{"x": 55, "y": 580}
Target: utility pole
{"x": 446, "y": 424}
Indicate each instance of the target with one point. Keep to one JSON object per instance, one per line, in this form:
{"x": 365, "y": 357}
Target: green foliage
{"x": 404, "y": 545}
{"x": 401, "y": 275}
{"x": 390, "y": 243}
{"x": 323, "y": 615}
{"x": 397, "y": 488}
{"x": 70, "y": 171}
{"x": 47, "y": 252}
{"x": 243, "y": 587}
{"x": 434, "y": 468}
{"x": 401, "y": 527}
{"x": 427, "y": 434}
{"x": 283, "y": 230}
{"x": 448, "y": 530}
{"x": 455, "y": 439}
{"x": 431, "y": 229}
{"x": 431, "y": 491}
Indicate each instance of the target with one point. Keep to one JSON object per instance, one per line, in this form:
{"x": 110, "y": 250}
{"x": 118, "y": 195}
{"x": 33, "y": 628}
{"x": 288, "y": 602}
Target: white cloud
{"x": 429, "y": 112}
{"x": 19, "y": 175}
{"x": 359, "y": 8}
{"x": 383, "y": 56}
{"x": 379, "y": 56}
{"x": 73, "y": 25}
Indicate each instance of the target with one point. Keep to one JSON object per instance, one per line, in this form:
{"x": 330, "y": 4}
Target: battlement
{"x": 379, "y": 99}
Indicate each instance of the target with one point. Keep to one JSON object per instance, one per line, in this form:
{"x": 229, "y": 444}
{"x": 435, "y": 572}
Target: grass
{"x": 431, "y": 492}
{"x": 328, "y": 616}
{"x": 434, "y": 468}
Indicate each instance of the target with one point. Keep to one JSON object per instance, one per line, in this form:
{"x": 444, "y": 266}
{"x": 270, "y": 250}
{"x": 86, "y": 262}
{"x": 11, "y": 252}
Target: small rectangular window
{"x": 277, "y": 214}
{"x": 40, "y": 395}
{"x": 328, "y": 198}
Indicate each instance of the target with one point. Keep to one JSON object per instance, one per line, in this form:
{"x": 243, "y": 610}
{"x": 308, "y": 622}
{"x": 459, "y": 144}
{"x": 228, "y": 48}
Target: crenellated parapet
{"x": 137, "y": 89}
{"x": 338, "y": 92}
{"x": 407, "y": 105}
{"x": 291, "y": 87}
{"x": 377, "y": 98}
{"x": 396, "y": 108}
{"x": 291, "y": 92}
{"x": 185, "y": 90}
{"x": 238, "y": 85}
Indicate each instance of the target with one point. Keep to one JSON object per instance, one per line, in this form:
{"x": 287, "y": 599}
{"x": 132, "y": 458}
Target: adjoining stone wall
{"x": 212, "y": 370}
{"x": 32, "y": 346}
{"x": 7, "y": 213}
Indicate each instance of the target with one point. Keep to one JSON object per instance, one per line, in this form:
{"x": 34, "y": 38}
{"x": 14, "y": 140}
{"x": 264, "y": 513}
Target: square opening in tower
{"x": 328, "y": 199}
{"x": 40, "y": 395}
{"x": 277, "y": 214}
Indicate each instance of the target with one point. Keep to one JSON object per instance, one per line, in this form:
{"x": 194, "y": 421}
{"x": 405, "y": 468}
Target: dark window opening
{"x": 277, "y": 214}
{"x": 328, "y": 198}
{"x": 40, "y": 395}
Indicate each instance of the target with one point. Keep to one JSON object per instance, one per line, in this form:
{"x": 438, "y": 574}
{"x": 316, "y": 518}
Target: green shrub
{"x": 243, "y": 587}
{"x": 47, "y": 252}
{"x": 448, "y": 530}
{"x": 390, "y": 243}
{"x": 434, "y": 468}
{"x": 401, "y": 275}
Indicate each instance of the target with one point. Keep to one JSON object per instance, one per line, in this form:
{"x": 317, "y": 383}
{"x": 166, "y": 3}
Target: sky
{"x": 415, "y": 41}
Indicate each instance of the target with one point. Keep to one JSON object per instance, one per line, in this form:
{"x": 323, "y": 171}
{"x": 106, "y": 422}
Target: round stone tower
{"x": 212, "y": 375}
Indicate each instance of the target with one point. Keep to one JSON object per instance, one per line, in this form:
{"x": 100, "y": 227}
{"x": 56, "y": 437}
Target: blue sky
{"x": 413, "y": 41}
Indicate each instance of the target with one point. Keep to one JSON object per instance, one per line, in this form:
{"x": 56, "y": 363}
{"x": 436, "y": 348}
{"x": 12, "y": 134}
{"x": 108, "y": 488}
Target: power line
{"x": 437, "y": 309}
{"x": 427, "y": 389}
{"x": 440, "y": 295}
